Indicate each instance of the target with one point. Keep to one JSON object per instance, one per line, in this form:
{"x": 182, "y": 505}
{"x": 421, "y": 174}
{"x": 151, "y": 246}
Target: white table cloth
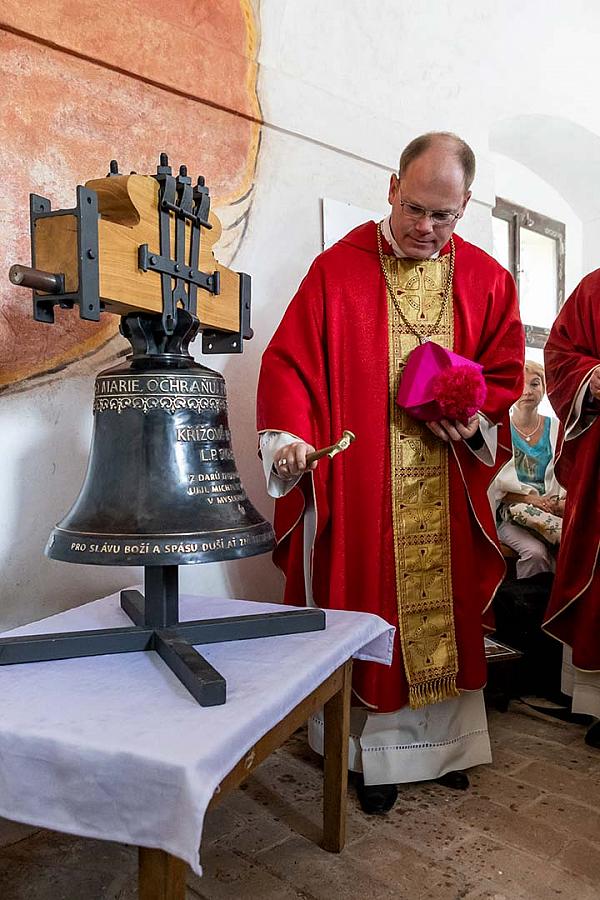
{"x": 114, "y": 747}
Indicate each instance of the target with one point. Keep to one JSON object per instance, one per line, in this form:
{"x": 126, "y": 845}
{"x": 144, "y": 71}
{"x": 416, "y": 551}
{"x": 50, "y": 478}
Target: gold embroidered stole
{"x": 420, "y": 507}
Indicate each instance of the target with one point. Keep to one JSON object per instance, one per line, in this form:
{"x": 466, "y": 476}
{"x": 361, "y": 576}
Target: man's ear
{"x": 464, "y": 206}
{"x": 394, "y": 187}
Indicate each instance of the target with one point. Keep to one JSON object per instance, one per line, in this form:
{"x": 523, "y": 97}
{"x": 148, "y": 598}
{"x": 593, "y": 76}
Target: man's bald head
{"x": 441, "y": 145}
{"x": 430, "y": 193}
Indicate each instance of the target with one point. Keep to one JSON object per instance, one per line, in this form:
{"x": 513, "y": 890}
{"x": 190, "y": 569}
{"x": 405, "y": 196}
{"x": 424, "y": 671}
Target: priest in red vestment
{"x": 572, "y": 359}
{"x": 400, "y": 524}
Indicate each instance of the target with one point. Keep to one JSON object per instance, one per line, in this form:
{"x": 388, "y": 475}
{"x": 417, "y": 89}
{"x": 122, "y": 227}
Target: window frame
{"x": 521, "y": 217}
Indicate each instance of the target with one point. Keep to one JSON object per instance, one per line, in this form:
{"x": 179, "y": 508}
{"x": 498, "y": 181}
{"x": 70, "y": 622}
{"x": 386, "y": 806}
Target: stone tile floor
{"x": 528, "y": 828}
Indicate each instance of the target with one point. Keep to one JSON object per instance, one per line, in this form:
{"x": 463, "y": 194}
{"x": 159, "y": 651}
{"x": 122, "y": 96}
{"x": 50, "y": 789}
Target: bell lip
{"x": 146, "y": 537}
{"x": 58, "y": 547}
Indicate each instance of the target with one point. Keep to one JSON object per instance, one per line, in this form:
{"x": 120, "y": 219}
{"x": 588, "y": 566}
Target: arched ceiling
{"x": 564, "y": 154}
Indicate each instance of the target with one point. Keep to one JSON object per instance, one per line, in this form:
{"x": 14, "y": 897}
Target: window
{"x": 532, "y": 248}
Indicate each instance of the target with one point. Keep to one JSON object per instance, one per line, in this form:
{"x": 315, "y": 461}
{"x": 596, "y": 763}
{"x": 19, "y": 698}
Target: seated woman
{"x": 529, "y": 481}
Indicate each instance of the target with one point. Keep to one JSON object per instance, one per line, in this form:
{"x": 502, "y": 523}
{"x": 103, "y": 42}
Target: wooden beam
{"x": 161, "y": 876}
{"x": 335, "y": 783}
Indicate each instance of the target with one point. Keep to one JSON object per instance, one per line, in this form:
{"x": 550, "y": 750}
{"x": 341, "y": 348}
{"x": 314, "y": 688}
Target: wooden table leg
{"x": 161, "y": 876}
{"x": 335, "y": 781}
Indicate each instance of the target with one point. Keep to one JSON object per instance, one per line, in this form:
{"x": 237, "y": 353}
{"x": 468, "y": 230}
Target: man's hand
{"x": 595, "y": 384}
{"x": 290, "y": 460}
{"x": 454, "y": 431}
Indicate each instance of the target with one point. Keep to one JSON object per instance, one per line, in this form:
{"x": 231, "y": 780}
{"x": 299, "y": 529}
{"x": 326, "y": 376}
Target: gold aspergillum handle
{"x": 343, "y": 444}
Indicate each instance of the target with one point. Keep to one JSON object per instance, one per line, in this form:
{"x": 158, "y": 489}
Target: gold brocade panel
{"x": 420, "y": 506}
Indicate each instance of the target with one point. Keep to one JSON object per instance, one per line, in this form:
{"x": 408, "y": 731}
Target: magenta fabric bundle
{"x": 439, "y": 384}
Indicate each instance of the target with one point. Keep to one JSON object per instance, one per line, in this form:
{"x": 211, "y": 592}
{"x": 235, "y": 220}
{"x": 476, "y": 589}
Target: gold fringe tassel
{"x": 432, "y": 691}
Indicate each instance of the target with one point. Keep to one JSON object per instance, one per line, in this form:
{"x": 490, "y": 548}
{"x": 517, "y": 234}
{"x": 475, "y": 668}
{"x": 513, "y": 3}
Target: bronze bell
{"x": 162, "y": 487}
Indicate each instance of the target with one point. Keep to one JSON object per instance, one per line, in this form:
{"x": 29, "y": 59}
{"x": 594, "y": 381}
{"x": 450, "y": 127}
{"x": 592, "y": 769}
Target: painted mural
{"x": 81, "y": 88}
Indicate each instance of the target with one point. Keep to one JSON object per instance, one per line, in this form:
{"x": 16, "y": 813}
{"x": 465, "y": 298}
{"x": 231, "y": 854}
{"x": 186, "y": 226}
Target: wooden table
{"x": 163, "y": 876}
{"x": 160, "y": 758}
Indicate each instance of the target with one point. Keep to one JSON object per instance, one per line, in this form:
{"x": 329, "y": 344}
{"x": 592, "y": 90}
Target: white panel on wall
{"x": 340, "y": 218}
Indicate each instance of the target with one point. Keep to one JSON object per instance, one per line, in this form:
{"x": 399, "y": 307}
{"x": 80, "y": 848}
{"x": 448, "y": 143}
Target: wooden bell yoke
{"x": 137, "y": 244}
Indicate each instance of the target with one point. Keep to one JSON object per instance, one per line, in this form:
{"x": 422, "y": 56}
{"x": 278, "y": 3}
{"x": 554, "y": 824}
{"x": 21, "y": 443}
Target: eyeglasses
{"x": 437, "y": 216}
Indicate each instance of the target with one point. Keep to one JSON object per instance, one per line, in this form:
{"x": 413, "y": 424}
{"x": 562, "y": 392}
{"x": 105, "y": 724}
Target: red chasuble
{"x": 571, "y": 354}
{"x": 326, "y": 369}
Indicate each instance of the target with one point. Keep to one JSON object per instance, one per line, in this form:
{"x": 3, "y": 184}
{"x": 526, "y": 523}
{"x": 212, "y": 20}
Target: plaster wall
{"x": 342, "y": 86}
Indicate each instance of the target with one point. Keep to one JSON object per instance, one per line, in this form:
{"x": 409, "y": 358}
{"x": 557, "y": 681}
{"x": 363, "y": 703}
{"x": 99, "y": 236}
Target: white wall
{"x": 343, "y": 86}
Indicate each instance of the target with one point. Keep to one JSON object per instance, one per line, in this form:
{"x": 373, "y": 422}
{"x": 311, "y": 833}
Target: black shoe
{"x": 592, "y": 735}
{"x": 458, "y": 781}
{"x": 562, "y": 713}
{"x": 376, "y": 799}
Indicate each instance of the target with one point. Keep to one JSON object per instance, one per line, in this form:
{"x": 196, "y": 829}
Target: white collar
{"x": 386, "y": 230}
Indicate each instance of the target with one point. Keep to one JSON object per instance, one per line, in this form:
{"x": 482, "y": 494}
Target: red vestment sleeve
{"x": 292, "y": 390}
{"x": 571, "y": 353}
{"x": 293, "y": 396}
{"x": 500, "y": 343}
{"x": 495, "y": 340}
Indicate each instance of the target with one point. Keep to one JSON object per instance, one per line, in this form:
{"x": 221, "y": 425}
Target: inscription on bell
{"x": 168, "y": 393}
{"x": 117, "y": 386}
{"x": 170, "y": 384}
{"x": 160, "y": 546}
{"x": 213, "y": 476}
{"x": 203, "y": 433}
{"x": 216, "y": 454}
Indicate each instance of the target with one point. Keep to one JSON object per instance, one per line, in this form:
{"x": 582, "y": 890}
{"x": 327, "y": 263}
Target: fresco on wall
{"x": 81, "y": 88}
